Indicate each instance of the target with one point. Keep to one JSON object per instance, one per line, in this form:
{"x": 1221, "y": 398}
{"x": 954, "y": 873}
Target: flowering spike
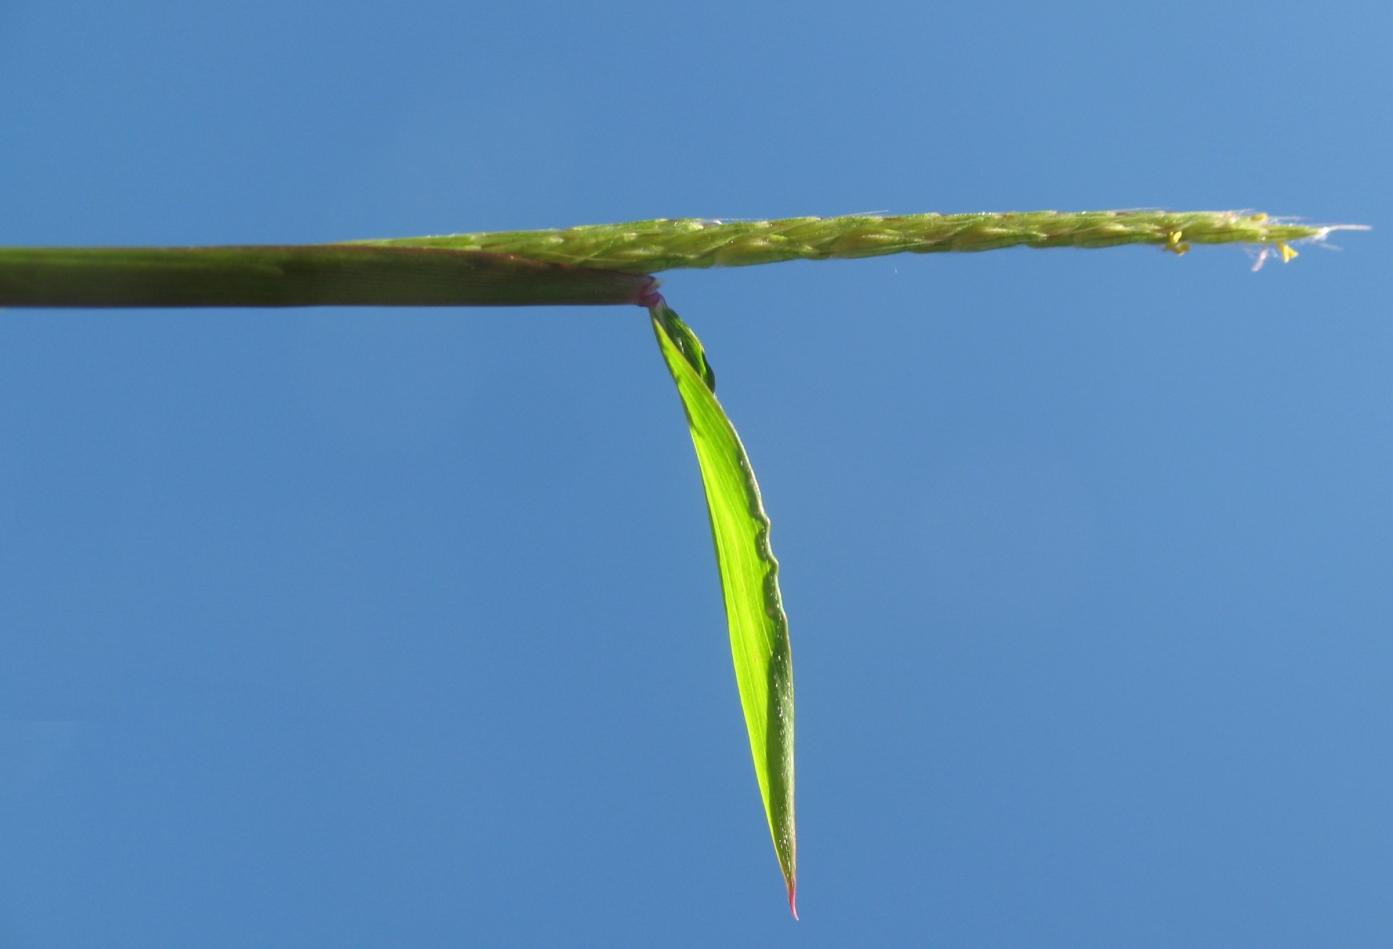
{"x": 665, "y": 244}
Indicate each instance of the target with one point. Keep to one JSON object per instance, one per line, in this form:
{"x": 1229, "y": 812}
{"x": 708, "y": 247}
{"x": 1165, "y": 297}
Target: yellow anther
{"x": 1288, "y": 254}
{"x": 1175, "y": 243}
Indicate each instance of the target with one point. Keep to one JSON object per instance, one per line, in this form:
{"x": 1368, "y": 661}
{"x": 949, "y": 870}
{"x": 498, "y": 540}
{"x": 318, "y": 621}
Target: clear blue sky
{"x": 401, "y": 628}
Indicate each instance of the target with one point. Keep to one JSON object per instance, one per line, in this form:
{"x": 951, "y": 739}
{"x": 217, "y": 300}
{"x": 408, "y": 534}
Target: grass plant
{"x": 613, "y": 264}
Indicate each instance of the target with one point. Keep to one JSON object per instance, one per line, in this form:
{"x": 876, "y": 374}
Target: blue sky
{"x": 402, "y": 627}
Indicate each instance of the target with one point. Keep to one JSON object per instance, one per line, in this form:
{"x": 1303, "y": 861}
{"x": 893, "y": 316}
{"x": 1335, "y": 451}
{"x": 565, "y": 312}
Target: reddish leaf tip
{"x": 793, "y": 899}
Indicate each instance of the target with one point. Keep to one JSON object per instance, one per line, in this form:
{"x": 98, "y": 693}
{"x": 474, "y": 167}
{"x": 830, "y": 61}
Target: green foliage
{"x": 749, "y": 580}
{"x": 611, "y": 263}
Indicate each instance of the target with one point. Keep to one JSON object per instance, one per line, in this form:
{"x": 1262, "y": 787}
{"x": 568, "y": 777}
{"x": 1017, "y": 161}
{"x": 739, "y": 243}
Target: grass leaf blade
{"x": 749, "y": 582}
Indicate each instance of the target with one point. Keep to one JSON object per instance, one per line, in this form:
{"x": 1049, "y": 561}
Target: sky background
{"x": 402, "y": 628}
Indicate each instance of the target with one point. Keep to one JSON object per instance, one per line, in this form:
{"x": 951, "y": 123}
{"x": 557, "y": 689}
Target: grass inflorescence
{"x": 667, "y": 244}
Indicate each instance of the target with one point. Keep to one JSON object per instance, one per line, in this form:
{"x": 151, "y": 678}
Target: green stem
{"x": 594, "y": 264}
{"x": 305, "y": 275}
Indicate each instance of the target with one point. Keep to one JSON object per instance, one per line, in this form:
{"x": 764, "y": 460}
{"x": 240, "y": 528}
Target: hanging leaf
{"x": 749, "y": 581}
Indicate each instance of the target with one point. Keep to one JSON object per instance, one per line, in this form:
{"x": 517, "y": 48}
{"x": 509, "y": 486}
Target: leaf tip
{"x": 793, "y": 898}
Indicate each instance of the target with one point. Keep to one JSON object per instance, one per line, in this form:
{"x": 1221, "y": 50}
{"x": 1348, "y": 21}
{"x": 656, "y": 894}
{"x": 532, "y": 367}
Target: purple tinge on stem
{"x": 648, "y": 294}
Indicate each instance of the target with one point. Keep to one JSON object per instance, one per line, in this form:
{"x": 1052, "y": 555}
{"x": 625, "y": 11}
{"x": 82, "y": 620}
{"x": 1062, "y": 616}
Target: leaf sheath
{"x": 299, "y": 275}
